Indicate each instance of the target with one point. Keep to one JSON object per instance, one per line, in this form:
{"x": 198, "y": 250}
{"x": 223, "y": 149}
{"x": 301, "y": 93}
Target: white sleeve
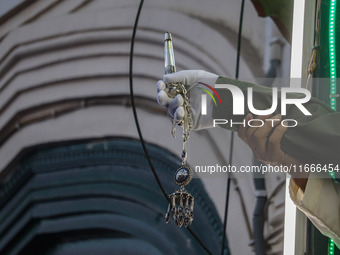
{"x": 320, "y": 203}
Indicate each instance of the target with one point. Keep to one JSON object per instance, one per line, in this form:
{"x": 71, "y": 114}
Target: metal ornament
{"x": 181, "y": 202}
{"x": 181, "y": 206}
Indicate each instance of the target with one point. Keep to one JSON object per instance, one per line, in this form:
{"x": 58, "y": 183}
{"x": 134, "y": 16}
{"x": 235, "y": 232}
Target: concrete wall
{"x": 64, "y": 75}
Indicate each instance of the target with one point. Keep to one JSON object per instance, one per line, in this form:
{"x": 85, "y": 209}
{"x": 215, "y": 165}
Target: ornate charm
{"x": 183, "y": 175}
{"x": 181, "y": 202}
{"x": 181, "y": 205}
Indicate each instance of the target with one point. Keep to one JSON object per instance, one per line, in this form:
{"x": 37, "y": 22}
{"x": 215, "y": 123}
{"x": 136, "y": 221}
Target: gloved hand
{"x": 191, "y": 79}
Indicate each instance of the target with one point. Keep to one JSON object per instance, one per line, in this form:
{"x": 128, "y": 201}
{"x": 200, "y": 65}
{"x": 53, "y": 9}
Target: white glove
{"x": 191, "y": 79}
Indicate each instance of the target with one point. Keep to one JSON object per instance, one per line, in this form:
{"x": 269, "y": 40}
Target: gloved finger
{"x": 160, "y": 86}
{"x": 179, "y": 113}
{"x": 174, "y": 104}
{"x": 163, "y": 98}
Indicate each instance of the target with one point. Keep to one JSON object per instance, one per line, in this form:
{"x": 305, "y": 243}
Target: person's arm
{"x": 314, "y": 140}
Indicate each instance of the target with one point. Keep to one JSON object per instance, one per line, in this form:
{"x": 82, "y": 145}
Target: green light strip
{"x": 332, "y": 57}
{"x": 333, "y": 89}
{"x": 331, "y": 247}
{"x": 332, "y": 54}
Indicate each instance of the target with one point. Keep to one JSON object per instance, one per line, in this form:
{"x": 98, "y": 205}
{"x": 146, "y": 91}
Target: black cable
{"x": 232, "y": 133}
{"x": 134, "y": 106}
{"x": 239, "y": 40}
{"x": 225, "y": 220}
{"x": 199, "y": 241}
{"x": 137, "y": 122}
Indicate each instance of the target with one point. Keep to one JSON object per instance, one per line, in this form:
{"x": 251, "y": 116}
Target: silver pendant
{"x": 181, "y": 206}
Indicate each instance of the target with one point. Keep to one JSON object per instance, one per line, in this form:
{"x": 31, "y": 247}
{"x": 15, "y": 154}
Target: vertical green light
{"x": 332, "y": 54}
{"x": 332, "y": 58}
{"x": 332, "y": 67}
{"x": 331, "y": 247}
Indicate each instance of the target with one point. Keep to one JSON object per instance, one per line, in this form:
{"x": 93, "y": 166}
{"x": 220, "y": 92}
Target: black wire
{"x": 239, "y": 39}
{"x": 138, "y": 127}
{"x": 199, "y": 241}
{"x": 225, "y": 220}
{"x": 134, "y": 106}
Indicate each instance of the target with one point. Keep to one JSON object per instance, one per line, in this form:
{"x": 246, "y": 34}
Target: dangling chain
{"x": 174, "y": 89}
{"x": 181, "y": 204}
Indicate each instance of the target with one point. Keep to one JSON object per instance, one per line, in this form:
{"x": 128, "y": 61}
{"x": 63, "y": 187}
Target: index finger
{"x": 160, "y": 86}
